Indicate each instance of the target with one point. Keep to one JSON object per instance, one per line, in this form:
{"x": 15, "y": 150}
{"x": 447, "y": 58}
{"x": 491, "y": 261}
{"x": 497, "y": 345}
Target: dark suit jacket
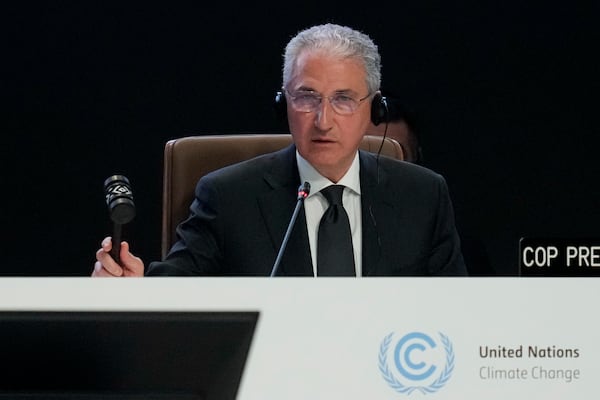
{"x": 240, "y": 214}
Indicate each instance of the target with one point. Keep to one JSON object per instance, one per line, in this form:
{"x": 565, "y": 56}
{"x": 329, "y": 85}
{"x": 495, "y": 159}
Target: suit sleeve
{"x": 197, "y": 251}
{"x": 446, "y": 258}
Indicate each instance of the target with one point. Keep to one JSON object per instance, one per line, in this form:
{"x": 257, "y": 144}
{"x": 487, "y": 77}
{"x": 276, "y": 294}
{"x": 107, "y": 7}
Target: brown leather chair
{"x": 187, "y": 159}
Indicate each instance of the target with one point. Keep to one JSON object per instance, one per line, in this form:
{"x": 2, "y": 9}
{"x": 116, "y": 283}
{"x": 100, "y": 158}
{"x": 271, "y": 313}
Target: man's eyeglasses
{"x": 309, "y": 101}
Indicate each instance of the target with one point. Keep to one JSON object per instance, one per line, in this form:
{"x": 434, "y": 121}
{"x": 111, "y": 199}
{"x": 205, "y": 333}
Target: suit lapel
{"x": 375, "y": 207}
{"x": 277, "y": 205}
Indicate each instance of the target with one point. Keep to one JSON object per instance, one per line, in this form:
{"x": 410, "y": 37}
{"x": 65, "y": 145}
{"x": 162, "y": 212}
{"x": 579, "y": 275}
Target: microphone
{"x": 119, "y": 199}
{"x": 303, "y": 192}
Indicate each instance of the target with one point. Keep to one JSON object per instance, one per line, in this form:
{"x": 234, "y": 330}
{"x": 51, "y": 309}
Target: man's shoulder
{"x": 398, "y": 169}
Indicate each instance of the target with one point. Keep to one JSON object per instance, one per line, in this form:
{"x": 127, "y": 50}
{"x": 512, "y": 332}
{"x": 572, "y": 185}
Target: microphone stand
{"x": 303, "y": 192}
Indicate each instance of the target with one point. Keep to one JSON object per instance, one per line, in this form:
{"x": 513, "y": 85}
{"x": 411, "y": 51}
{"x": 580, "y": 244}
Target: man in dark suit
{"x": 398, "y": 216}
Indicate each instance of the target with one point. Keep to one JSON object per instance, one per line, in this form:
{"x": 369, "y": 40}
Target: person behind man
{"x": 400, "y": 215}
{"x": 400, "y": 125}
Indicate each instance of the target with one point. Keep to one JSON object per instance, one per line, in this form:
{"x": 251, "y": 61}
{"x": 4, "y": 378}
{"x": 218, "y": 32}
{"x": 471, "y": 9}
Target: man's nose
{"x": 323, "y": 115}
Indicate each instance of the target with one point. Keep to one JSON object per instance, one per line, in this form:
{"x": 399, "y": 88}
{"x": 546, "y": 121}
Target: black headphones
{"x": 379, "y": 108}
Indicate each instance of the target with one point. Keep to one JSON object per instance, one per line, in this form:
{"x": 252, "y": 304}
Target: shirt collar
{"x": 317, "y": 181}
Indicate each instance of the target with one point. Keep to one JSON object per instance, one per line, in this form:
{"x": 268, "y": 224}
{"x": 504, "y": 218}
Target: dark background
{"x": 506, "y": 96}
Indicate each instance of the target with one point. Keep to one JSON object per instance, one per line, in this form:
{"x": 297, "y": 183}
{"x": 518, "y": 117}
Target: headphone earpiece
{"x": 379, "y": 109}
{"x": 280, "y": 106}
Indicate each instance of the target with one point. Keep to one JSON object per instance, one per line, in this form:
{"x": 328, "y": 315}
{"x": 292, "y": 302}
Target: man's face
{"x": 327, "y": 140}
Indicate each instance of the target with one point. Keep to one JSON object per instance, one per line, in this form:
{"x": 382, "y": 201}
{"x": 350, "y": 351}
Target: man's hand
{"x": 106, "y": 266}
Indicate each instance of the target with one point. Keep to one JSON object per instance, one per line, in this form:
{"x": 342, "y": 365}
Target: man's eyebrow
{"x": 345, "y": 92}
{"x": 305, "y": 89}
{"x": 336, "y": 92}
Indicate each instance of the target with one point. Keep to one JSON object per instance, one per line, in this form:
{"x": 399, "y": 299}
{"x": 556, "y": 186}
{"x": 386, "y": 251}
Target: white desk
{"x": 324, "y": 338}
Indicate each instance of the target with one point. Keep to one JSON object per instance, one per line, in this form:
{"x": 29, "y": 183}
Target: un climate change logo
{"x": 416, "y": 362}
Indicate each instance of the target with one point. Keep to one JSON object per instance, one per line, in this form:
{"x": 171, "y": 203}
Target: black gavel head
{"x": 119, "y": 199}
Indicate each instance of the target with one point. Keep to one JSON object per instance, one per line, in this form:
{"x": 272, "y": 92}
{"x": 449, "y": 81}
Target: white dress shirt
{"x": 316, "y": 204}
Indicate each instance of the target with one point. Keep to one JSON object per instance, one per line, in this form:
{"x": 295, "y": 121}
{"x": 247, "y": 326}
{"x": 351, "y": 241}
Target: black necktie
{"x": 335, "y": 256}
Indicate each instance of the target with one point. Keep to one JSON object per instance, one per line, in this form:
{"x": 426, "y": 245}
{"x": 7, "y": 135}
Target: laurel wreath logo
{"x": 401, "y": 388}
